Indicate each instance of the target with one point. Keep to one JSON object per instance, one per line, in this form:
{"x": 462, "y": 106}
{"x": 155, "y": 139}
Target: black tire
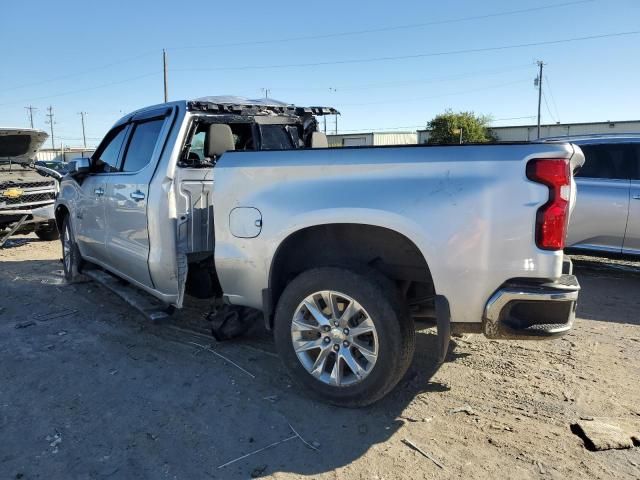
{"x": 72, "y": 267}
{"x": 48, "y": 233}
{"x": 393, "y": 324}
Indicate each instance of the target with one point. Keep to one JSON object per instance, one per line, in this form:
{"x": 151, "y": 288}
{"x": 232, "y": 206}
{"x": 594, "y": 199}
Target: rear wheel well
{"x": 353, "y": 246}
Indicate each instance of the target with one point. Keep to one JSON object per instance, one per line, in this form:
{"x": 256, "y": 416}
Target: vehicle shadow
{"x": 158, "y": 401}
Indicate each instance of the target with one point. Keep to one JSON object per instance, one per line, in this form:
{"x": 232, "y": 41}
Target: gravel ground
{"x": 89, "y": 389}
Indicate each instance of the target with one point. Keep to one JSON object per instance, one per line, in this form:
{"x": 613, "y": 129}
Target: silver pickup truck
{"x": 340, "y": 248}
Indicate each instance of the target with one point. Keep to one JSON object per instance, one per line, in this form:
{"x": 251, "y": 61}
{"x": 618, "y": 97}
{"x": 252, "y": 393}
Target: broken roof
{"x": 233, "y": 104}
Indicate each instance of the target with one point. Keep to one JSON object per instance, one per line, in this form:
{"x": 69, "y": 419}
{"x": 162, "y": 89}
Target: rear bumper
{"x": 529, "y": 310}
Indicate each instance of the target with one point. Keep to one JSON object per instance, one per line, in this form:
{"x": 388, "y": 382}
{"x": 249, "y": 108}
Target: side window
{"x": 196, "y": 152}
{"x": 143, "y": 143}
{"x": 606, "y": 161}
{"x": 105, "y": 159}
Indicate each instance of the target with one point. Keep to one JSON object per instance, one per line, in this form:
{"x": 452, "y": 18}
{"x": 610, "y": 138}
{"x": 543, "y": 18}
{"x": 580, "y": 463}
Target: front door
{"x": 599, "y": 219}
{"x": 90, "y": 222}
{"x": 126, "y": 202}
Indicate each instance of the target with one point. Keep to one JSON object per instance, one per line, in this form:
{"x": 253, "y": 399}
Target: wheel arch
{"x": 61, "y": 211}
{"x": 354, "y": 245}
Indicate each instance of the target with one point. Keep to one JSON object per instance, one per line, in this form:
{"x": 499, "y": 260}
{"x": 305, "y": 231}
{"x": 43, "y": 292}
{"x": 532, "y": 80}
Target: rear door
{"x": 126, "y": 198}
{"x": 90, "y": 222}
{"x": 599, "y": 220}
{"x": 632, "y": 236}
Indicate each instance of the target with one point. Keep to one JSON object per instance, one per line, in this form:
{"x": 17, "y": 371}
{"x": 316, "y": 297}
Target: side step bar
{"x": 152, "y": 308}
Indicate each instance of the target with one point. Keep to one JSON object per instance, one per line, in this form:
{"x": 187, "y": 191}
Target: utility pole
{"x": 84, "y": 138}
{"x": 336, "y": 123}
{"x": 50, "y": 122}
{"x": 31, "y": 108}
{"x": 266, "y": 92}
{"x": 324, "y": 117}
{"x": 538, "y": 83}
{"x": 164, "y": 69}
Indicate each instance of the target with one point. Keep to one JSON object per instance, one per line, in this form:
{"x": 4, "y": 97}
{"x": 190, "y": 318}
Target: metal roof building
{"x": 372, "y": 139}
{"x": 525, "y": 133}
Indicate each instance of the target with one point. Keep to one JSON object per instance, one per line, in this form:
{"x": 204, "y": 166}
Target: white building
{"x": 65, "y": 154}
{"x": 525, "y": 133}
{"x": 372, "y": 139}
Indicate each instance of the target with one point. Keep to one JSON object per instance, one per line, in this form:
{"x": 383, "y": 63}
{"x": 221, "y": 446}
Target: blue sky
{"x": 104, "y": 58}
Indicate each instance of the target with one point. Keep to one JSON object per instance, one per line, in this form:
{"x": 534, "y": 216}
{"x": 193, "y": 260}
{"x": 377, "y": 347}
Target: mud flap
{"x": 443, "y": 319}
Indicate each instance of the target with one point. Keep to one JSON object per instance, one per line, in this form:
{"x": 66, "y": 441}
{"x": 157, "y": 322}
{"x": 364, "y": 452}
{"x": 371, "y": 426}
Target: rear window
{"x": 613, "y": 161}
{"x": 275, "y": 137}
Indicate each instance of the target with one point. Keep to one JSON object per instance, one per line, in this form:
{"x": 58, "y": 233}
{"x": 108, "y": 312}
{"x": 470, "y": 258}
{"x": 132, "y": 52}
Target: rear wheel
{"x": 71, "y": 260}
{"x": 345, "y": 336}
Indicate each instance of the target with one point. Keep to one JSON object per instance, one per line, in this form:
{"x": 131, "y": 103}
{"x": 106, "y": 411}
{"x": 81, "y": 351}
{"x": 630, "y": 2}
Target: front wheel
{"x": 346, "y": 336}
{"x": 71, "y": 259}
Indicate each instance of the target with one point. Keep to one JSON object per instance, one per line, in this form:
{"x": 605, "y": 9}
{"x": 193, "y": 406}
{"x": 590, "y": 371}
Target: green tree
{"x": 452, "y": 127}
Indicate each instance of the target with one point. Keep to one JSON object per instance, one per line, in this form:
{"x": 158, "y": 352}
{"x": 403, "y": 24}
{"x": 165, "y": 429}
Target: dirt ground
{"x": 89, "y": 389}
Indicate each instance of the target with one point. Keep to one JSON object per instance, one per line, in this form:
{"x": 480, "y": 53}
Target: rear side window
{"x": 143, "y": 143}
{"x": 614, "y": 161}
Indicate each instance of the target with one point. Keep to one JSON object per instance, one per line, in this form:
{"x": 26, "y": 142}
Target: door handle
{"x": 636, "y": 197}
{"x": 99, "y": 192}
{"x": 137, "y": 195}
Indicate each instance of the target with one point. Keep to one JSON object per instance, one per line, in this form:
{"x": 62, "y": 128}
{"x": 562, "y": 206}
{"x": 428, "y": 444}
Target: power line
{"x": 546, "y": 104}
{"x": 405, "y": 82}
{"x": 71, "y": 92}
{"x": 490, "y": 87}
{"x": 409, "y": 57}
{"x": 382, "y": 29}
{"x": 77, "y": 72}
{"x": 553, "y": 100}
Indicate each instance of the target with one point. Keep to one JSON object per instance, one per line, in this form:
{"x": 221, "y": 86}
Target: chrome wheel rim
{"x": 334, "y": 338}
{"x": 66, "y": 249}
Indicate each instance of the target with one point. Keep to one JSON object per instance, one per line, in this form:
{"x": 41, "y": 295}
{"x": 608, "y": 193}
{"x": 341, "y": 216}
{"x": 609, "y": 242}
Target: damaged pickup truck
{"x": 342, "y": 249}
{"x": 27, "y": 192}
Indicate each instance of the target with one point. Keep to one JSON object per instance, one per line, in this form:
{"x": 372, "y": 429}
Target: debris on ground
{"x": 26, "y": 324}
{"x": 412, "y": 445}
{"x": 465, "y": 408}
{"x": 598, "y": 435}
{"x": 60, "y": 313}
{"x": 258, "y": 471}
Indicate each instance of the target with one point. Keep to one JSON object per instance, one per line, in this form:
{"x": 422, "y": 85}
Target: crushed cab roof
{"x": 233, "y": 104}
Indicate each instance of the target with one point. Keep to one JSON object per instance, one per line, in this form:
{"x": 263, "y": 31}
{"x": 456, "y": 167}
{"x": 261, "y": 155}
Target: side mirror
{"x": 79, "y": 166}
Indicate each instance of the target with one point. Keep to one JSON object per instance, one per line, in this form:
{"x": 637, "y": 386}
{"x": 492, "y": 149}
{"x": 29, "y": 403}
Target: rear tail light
{"x": 553, "y": 216}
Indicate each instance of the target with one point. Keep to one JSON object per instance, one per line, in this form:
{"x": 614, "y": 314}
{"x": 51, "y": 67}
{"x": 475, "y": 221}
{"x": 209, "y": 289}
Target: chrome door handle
{"x": 99, "y": 192}
{"x": 137, "y": 195}
{"x": 636, "y": 197}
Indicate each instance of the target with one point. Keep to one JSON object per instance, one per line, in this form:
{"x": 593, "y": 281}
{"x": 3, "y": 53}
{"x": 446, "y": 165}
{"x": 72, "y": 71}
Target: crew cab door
{"x": 90, "y": 221}
{"x": 599, "y": 219}
{"x": 126, "y": 197}
{"x": 632, "y": 235}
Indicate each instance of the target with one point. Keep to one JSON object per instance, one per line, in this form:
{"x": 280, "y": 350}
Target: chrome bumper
{"x": 530, "y": 311}
{"x": 40, "y": 214}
